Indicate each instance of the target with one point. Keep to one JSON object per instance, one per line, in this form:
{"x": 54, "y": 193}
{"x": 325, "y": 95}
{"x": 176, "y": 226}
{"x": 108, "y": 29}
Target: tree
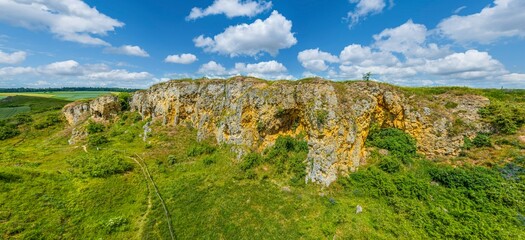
{"x": 367, "y": 76}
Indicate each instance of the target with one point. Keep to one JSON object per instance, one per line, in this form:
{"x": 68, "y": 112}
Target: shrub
{"x": 289, "y": 156}
{"x": 94, "y": 127}
{"x": 481, "y": 140}
{"x": 97, "y": 140}
{"x": 50, "y": 120}
{"x": 124, "y": 99}
{"x": 8, "y": 131}
{"x": 102, "y": 165}
{"x": 505, "y": 118}
{"x": 200, "y": 149}
{"x": 250, "y": 161}
{"x": 321, "y": 116}
{"x": 451, "y": 105}
{"x": 172, "y": 159}
{"x": 393, "y": 140}
{"x": 116, "y": 224}
{"x": 390, "y": 164}
{"x": 209, "y": 160}
{"x": 22, "y": 118}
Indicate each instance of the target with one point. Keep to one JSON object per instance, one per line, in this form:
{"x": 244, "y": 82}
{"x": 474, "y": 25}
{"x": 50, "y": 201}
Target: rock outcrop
{"x": 334, "y": 117}
{"x": 99, "y": 109}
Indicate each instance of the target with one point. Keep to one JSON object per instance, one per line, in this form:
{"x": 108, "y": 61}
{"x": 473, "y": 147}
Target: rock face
{"x": 335, "y": 117}
{"x": 102, "y": 108}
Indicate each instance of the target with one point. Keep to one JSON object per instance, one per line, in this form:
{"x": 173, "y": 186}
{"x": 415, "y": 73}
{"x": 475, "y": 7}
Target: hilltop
{"x": 246, "y": 158}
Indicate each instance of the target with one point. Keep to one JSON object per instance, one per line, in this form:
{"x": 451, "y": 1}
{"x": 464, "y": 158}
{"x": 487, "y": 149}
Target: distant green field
{"x": 70, "y": 96}
{"x": 11, "y": 111}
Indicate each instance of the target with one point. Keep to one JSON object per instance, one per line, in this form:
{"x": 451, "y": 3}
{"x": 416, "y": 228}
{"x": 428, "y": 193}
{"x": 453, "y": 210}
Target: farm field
{"x": 70, "y": 95}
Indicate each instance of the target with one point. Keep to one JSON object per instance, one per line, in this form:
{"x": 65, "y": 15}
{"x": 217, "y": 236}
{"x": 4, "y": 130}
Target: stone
{"x": 358, "y": 209}
{"x": 335, "y": 118}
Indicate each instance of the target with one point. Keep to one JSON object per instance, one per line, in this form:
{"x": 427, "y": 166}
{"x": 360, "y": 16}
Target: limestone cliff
{"x": 335, "y": 117}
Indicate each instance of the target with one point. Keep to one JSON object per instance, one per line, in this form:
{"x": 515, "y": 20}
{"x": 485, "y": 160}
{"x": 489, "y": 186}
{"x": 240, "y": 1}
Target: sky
{"x": 137, "y": 43}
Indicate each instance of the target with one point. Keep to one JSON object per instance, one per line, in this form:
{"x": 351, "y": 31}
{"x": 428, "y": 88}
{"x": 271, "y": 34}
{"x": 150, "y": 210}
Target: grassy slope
{"x": 70, "y": 96}
{"x": 43, "y": 195}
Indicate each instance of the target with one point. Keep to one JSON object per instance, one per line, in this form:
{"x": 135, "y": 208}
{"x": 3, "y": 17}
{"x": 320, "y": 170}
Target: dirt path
{"x": 144, "y": 217}
{"x": 150, "y": 180}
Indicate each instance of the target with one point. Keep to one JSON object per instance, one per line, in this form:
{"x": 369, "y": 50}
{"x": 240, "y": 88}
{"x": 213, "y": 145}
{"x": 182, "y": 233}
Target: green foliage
{"x": 289, "y": 156}
{"x": 117, "y": 224}
{"x": 321, "y": 116}
{"x": 482, "y": 140}
{"x": 124, "y": 98}
{"x": 101, "y": 164}
{"x": 96, "y": 140}
{"x": 367, "y": 76}
{"x": 390, "y": 164}
{"x": 504, "y": 117}
{"x": 209, "y": 160}
{"x": 8, "y": 131}
{"x": 451, "y": 105}
{"x": 250, "y": 161}
{"x": 393, "y": 140}
{"x": 49, "y": 120}
{"x": 94, "y": 127}
{"x": 172, "y": 159}
{"x": 199, "y": 149}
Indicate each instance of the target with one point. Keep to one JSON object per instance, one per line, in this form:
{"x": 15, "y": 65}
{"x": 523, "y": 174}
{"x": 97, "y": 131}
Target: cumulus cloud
{"x": 128, "y": 50}
{"x": 269, "y": 36}
{"x": 409, "y": 39}
{"x": 72, "y": 73}
{"x": 12, "y": 58}
{"x": 231, "y": 8}
{"x": 404, "y": 55}
{"x": 212, "y": 69}
{"x": 186, "y": 58}
{"x": 315, "y": 60}
{"x": 267, "y": 70}
{"x": 365, "y": 8}
{"x": 69, "y": 20}
{"x": 504, "y": 19}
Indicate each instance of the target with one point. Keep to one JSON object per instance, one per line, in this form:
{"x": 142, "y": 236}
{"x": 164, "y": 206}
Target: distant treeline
{"x": 67, "y": 89}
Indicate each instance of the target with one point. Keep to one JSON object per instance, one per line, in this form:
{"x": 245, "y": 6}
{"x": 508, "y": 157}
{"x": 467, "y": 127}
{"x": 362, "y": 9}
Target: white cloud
{"x": 471, "y": 64}
{"x": 356, "y": 54}
{"x": 72, "y": 73}
{"x": 12, "y": 58}
{"x": 365, "y": 8}
{"x": 409, "y": 39}
{"x": 267, "y": 70}
{"x": 212, "y": 69}
{"x": 186, "y": 58}
{"x": 505, "y": 19}
{"x": 69, "y": 20}
{"x": 269, "y": 36}
{"x": 128, "y": 50}
{"x": 231, "y": 8}
{"x": 315, "y": 60}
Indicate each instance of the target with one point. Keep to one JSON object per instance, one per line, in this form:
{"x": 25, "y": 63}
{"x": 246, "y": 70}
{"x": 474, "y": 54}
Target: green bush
{"x": 505, "y": 118}
{"x": 49, "y": 120}
{"x": 321, "y": 116}
{"x": 209, "y": 160}
{"x": 8, "y": 131}
{"x": 200, "y": 149}
{"x": 288, "y": 155}
{"x": 482, "y": 140}
{"x": 451, "y": 105}
{"x": 117, "y": 224}
{"x": 97, "y": 140}
{"x": 101, "y": 164}
{"x": 172, "y": 159}
{"x": 390, "y": 164}
{"x": 94, "y": 127}
{"x": 124, "y": 98}
{"x": 393, "y": 140}
{"x": 250, "y": 161}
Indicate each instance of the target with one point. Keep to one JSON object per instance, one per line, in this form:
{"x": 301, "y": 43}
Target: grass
{"x": 8, "y": 112}
{"x": 69, "y": 96}
{"x": 50, "y": 189}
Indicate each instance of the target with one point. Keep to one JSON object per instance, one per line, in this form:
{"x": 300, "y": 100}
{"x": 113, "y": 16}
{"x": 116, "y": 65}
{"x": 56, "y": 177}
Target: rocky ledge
{"x": 334, "y": 117}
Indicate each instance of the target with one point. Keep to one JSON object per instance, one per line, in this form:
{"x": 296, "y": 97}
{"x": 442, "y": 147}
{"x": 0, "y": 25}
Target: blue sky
{"x": 53, "y": 43}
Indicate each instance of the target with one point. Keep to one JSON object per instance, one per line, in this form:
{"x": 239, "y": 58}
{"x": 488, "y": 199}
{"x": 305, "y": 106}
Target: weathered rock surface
{"x": 334, "y": 117}
{"x": 102, "y": 108}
